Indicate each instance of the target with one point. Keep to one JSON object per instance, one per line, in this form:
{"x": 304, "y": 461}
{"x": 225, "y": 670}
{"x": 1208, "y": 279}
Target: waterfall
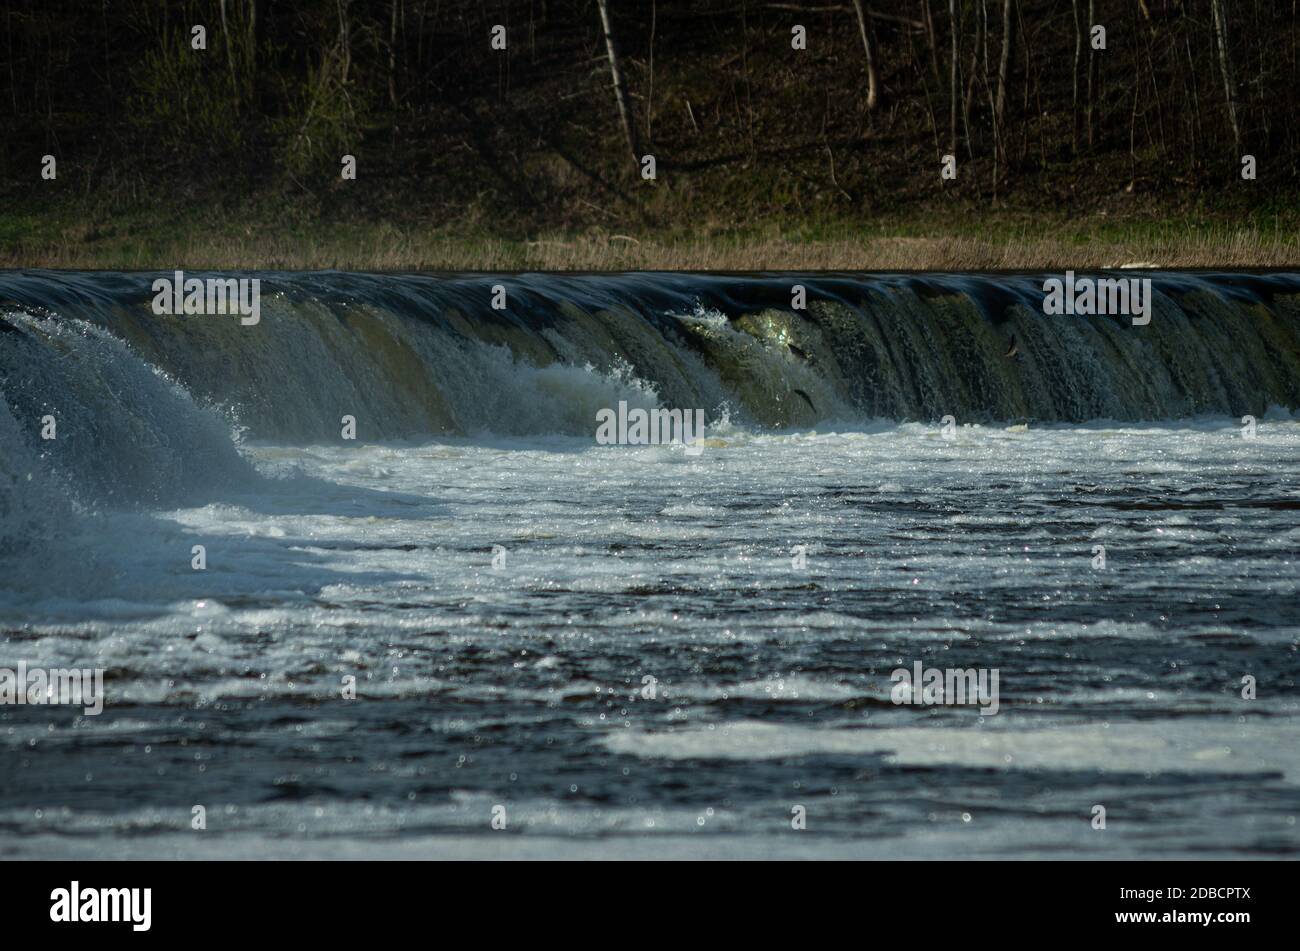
{"x": 147, "y": 405}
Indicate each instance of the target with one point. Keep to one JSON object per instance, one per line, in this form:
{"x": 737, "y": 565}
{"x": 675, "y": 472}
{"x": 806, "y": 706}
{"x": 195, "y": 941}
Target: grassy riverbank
{"x": 264, "y": 237}
{"x": 768, "y": 154}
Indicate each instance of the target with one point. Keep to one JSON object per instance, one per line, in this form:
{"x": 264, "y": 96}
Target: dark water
{"x": 522, "y": 684}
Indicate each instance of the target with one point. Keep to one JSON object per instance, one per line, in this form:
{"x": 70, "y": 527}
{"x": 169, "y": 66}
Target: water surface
{"x": 523, "y": 683}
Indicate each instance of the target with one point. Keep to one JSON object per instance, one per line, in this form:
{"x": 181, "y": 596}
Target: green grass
{"x": 273, "y": 233}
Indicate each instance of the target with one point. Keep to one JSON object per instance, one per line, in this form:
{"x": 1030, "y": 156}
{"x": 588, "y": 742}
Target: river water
{"x": 474, "y": 612}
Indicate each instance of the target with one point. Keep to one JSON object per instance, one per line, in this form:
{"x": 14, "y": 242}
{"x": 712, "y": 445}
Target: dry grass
{"x": 385, "y": 249}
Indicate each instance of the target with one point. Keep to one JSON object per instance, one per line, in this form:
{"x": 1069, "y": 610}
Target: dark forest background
{"x": 453, "y": 135}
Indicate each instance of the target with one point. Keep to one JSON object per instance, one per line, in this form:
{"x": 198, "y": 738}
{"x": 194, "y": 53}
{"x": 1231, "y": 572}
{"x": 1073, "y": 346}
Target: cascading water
{"x": 499, "y": 585}
{"x": 99, "y": 427}
{"x": 414, "y": 356}
{"x": 144, "y": 401}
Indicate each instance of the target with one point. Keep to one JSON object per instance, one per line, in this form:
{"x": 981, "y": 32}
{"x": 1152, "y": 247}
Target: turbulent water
{"x": 640, "y": 650}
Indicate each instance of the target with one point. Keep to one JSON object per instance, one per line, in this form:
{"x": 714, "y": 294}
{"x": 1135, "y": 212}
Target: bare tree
{"x": 998, "y": 147}
{"x": 241, "y": 47}
{"x": 345, "y": 41}
{"x": 1078, "y": 56}
{"x": 955, "y": 28}
{"x": 392, "y": 54}
{"x": 927, "y": 16}
{"x": 1225, "y": 67}
{"x": 250, "y": 48}
{"x": 873, "y": 81}
{"x": 230, "y": 55}
{"x": 620, "y": 86}
{"x": 1092, "y": 66}
{"x": 972, "y": 76}
{"x": 1004, "y": 64}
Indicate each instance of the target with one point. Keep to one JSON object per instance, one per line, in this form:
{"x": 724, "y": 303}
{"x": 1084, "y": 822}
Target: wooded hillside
{"x": 754, "y": 112}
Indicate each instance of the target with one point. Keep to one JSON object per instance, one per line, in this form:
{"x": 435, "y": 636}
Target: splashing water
{"x": 501, "y": 587}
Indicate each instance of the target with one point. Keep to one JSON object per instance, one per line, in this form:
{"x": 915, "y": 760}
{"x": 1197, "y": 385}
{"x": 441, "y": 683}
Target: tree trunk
{"x": 1225, "y": 67}
{"x": 1092, "y": 67}
{"x": 955, "y": 28}
{"x": 620, "y": 87}
{"x": 873, "y": 81}
{"x": 230, "y": 56}
{"x": 1078, "y": 57}
{"x": 998, "y": 147}
{"x": 928, "y": 17}
{"x": 250, "y": 53}
{"x": 392, "y": 55}
{"x": 970, "y": 81}
{"x": 345, "y": 41}
{"x": 1004, "y": 64}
